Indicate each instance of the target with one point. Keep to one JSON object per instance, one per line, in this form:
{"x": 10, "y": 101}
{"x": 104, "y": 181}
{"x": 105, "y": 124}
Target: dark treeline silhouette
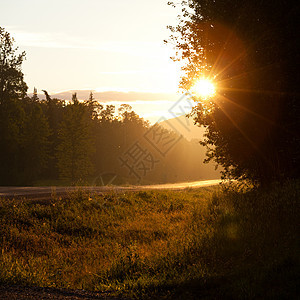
{"x": 251, "y": 50}
{"x": 83, "y": 141}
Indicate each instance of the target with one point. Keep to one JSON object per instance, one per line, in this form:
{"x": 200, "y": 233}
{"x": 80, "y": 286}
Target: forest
{"x": 53, "y": 141}
{"x": 85, "y": 142}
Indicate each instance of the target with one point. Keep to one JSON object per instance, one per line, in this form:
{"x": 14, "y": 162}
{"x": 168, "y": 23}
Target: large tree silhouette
{"x": 250, "y": 49}
{"x": 12, "y": 89}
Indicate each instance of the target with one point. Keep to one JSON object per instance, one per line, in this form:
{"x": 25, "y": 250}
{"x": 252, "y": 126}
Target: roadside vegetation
{"x": 210, "y": 242}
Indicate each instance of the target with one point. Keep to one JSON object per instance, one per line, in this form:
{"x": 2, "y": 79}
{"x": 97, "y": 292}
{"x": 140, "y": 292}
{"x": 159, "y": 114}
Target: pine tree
{"x": 35, "y": 142}
{"x": 76, "y": 146}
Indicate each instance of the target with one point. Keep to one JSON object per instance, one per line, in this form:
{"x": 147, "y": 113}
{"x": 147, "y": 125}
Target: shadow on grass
{"x": 277, "y": 282}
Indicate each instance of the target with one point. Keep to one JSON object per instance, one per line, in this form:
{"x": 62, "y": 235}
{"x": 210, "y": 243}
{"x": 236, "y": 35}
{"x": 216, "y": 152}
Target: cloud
{"x": 129, "y": 72}
{"x": 45, "y": 40}
{"x": 63, "y": 41}
{"x": 133, "y": 72}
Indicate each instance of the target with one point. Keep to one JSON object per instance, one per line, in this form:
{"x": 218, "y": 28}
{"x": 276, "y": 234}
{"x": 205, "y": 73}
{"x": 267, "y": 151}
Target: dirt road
{"x": 48, "y": 192}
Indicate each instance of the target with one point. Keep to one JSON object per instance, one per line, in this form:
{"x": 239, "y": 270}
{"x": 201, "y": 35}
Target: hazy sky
{"x": 93, "y": 44}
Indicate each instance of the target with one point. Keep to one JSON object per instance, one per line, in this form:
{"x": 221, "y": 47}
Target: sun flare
{"x": 204, "y": 88}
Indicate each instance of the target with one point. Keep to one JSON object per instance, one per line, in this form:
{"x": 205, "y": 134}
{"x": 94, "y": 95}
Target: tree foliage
{"x": 35, "y": 140}
{"x": 250, "y": 50}
{"x": 75, "y": 142}
{"x": 12, "y": 88}
{"x": 12, "y": 85}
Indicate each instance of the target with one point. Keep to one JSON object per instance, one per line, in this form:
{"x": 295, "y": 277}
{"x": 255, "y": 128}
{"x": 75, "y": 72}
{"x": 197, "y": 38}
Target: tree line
{"x": 82, "y": 141}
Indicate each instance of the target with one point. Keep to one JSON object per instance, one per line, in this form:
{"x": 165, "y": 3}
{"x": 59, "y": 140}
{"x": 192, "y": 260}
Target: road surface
{"x": 48, "y": 192}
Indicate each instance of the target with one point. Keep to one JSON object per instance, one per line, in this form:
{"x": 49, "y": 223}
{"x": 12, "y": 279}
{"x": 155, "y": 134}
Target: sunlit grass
{"x": 144, "y": 244}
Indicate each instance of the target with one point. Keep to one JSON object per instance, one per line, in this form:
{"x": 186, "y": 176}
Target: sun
{"x": 204, "y": 88}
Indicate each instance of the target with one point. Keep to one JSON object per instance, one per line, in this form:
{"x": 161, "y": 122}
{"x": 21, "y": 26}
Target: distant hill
{"x": 107, "y": 96}
{"x": 184, "y": 126}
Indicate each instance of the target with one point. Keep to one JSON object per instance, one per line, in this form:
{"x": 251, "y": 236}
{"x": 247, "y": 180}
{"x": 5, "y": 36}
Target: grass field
{"x": 207, "y": 243}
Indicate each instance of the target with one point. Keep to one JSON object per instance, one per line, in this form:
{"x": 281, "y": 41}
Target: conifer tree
{"x": 76, "y": 146}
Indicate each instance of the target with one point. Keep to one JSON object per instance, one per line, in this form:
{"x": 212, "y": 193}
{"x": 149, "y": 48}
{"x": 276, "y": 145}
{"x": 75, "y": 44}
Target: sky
{"x": 97, "y": 45}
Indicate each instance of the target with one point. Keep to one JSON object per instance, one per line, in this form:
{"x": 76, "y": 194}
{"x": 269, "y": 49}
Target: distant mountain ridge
{"x": 107, "y": 96}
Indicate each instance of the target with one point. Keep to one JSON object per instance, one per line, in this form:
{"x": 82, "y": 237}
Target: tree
{"x": 12, "y": 116}
{"x": 249, "y": 48}
{"x": 94, "y": 106}
{"x": 35, "y": 97}
{"x": 35, "y": 143}
{"x": 107, "y": 114}
{"x": 53, "y": 109}
{"x": 75, "y": 146}
{"x": 12, "y": 85}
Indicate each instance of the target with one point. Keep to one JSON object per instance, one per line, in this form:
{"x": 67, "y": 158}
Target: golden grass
{"x": 150, "y": 243}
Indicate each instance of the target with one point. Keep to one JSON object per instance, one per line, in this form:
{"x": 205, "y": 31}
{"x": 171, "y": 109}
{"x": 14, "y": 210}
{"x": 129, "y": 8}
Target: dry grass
{"x": 143, "y": 244}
